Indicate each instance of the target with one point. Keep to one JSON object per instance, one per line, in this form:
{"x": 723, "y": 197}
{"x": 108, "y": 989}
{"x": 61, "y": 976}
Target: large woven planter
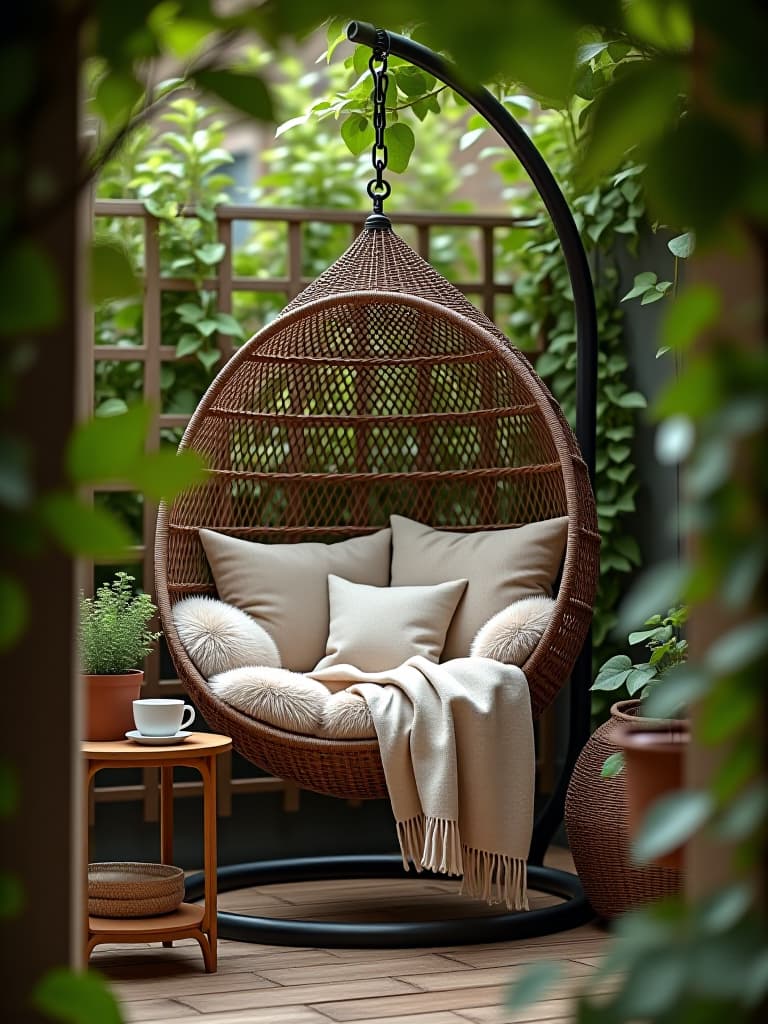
{"x": 596, "y": 820}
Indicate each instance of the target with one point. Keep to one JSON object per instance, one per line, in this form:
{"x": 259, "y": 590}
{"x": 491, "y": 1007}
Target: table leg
{"x": 166, "y": 821}
{"x": 208, "y": 771}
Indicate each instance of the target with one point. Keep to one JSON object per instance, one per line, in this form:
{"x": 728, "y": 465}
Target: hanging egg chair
{"x": 379, "y": 390}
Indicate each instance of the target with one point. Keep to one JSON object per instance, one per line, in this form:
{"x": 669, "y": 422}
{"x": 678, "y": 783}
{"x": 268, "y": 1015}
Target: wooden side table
{"x": 191, "y": 920}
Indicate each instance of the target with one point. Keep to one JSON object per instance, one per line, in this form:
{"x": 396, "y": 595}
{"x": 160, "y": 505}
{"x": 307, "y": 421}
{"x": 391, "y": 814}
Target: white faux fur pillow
{"x": 218, "y": 636}
{"x": 346, "y": 716}
{"x": 276, "y": 696}
{"x": 512, "y": 634}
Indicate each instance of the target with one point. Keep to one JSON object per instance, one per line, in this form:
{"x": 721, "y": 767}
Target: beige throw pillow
{"x": 284, "y": 587}
{"x": 378, "y": 628}
{"x": 501, "y": 566}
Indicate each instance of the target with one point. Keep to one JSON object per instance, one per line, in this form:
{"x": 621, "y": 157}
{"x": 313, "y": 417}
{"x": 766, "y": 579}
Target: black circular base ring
{"x": 574, "y": 911}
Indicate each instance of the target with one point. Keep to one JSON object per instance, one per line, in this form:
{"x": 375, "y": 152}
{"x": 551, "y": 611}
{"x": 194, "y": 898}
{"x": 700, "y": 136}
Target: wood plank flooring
{"x": 282, "y": 985}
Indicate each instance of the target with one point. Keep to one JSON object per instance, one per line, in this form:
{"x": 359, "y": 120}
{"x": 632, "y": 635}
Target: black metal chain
{"x": 378, "y": 188}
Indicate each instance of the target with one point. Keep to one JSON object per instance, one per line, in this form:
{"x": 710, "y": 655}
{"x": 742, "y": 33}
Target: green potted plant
{"x": 597, "y": 805}
{"x": 114, "y": 640}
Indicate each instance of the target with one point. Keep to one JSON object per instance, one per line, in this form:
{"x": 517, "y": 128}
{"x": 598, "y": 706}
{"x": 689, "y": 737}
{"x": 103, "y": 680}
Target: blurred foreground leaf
{"x": 112, "y": 276}
{"x": 670, "y": 822}
{"x": 246, "y": 92}
{"x": 77, "y": 998}
{"x": 83, "y": 529}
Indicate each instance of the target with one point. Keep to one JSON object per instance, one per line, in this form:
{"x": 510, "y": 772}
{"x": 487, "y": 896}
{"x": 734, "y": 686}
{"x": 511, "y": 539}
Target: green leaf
{"x": 683, "y": 245}
{"x": 190, "y": 312}
{"x": 745, "y": 814}
{"x": 76, "y": 998}
{"x": 30, "y": 294}
{"x": 632, "y": 400}
{"x": 632, "y": 112}
{"x": 187, "y": 344}
{"x": 83, "y": 529}
{"x": 697, "y": 308}
{"x": 400, "y": 142}
{"x": 211, "y": 253}
{"x": 639, "y": 677}
{"x": 111, "y": 407}
{"x": 164, "y": 474}
{"x": 357, "y": 132}
{"x": 739, "y": 647}
{"x": 670, "y": 822}
{"x": 116, "y": 95}
{"x": 411, "y": 81}
{"x": 13, "y": 611}
{"x": 105, "y": 447}
{"x": 613, "y": 673}
{"x": 613, "y": 765}
{"x": 209, "y": 358}
{"x": 246, "y": 92}
{"x": 533, "y": 984}
{"x": 112, "y": 275}
{"x": 647, "y": 279}
{"x": 335, "y": 34}
{"x": 228, "y": 325}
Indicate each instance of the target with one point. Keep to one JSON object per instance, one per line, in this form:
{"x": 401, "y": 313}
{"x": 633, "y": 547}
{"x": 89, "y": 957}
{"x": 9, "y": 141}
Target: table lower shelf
{"x": 140, "y": 929}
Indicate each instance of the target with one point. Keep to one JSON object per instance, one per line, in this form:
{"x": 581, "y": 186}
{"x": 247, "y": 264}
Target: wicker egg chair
{"x": 381, "y": 389}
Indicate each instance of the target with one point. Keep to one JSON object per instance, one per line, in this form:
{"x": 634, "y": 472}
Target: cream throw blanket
{"x": 457, "y": 748}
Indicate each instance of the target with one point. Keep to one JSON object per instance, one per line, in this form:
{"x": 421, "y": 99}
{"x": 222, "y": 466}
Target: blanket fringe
{"x": 495, "y": 878}
{"x": 410, "y": 835}
{"x": 434, "y": 843}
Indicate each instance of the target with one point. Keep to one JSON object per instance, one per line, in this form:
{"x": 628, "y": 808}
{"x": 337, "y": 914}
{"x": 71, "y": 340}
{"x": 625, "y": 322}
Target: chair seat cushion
{"x": 501, "y": 566}
{"x": 284, "y": 587}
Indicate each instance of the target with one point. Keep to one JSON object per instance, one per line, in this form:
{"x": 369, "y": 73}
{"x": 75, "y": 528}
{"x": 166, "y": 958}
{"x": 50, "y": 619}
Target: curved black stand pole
{"x": 386, "y": 934}
{"x": 574, "y": 910}
{"x": 551, "y": 816}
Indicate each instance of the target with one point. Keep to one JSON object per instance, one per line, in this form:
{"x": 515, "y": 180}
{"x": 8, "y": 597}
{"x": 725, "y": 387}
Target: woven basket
{"x": 129, "y": 889}
{"x": 597, "y": 823}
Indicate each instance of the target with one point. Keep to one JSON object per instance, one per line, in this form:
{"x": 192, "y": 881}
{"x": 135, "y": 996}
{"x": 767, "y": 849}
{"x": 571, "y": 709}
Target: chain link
{"x": 378, "y": 188}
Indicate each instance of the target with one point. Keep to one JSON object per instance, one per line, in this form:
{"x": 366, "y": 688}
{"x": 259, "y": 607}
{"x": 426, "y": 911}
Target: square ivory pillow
{"x": 501, "y": 566}
{"x": 378, "y": 628}
{"x": 284, "y": 587}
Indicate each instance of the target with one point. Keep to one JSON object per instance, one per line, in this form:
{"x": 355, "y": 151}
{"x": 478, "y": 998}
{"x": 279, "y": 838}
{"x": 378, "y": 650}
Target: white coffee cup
{"x": 161, "y": 716}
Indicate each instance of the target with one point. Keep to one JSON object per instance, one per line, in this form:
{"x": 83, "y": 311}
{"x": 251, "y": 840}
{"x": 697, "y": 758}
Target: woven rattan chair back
{"x": 379, "y": 390}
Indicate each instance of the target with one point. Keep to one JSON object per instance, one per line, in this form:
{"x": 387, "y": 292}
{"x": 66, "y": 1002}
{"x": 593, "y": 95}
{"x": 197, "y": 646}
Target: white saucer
{"x": 157, "y": 741}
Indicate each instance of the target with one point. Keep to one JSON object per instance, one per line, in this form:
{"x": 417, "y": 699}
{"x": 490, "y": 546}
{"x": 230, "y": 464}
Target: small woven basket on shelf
{"x": 130, "y": 889}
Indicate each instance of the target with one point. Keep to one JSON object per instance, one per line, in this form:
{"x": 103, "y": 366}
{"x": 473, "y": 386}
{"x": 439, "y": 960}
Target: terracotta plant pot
{"x": 654, "y": 766}
{"x": 109, "y": 704}
{"x": 597, "y": 822}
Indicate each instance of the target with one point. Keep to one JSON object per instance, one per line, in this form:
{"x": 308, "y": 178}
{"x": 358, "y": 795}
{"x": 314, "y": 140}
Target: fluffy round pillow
{"x": 512, "y": 634}
{"x": 281, "y": 698}
{"x": 218, "y": 636}
{"x": 346, "y": 716}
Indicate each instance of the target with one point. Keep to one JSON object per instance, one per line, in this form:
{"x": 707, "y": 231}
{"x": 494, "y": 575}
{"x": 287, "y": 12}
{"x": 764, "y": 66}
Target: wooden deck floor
{"x": 281, "y": 985}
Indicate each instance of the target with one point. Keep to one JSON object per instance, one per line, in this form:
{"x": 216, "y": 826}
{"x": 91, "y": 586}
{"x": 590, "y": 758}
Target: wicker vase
{"x": 596, "y": 820}
{"x": 109, "y": 704}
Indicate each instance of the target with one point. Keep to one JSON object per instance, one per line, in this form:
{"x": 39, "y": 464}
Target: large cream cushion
{"x": 501, "y": 566}
{"x": 284, "y": 587}
{"x": 378, "y": 628}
